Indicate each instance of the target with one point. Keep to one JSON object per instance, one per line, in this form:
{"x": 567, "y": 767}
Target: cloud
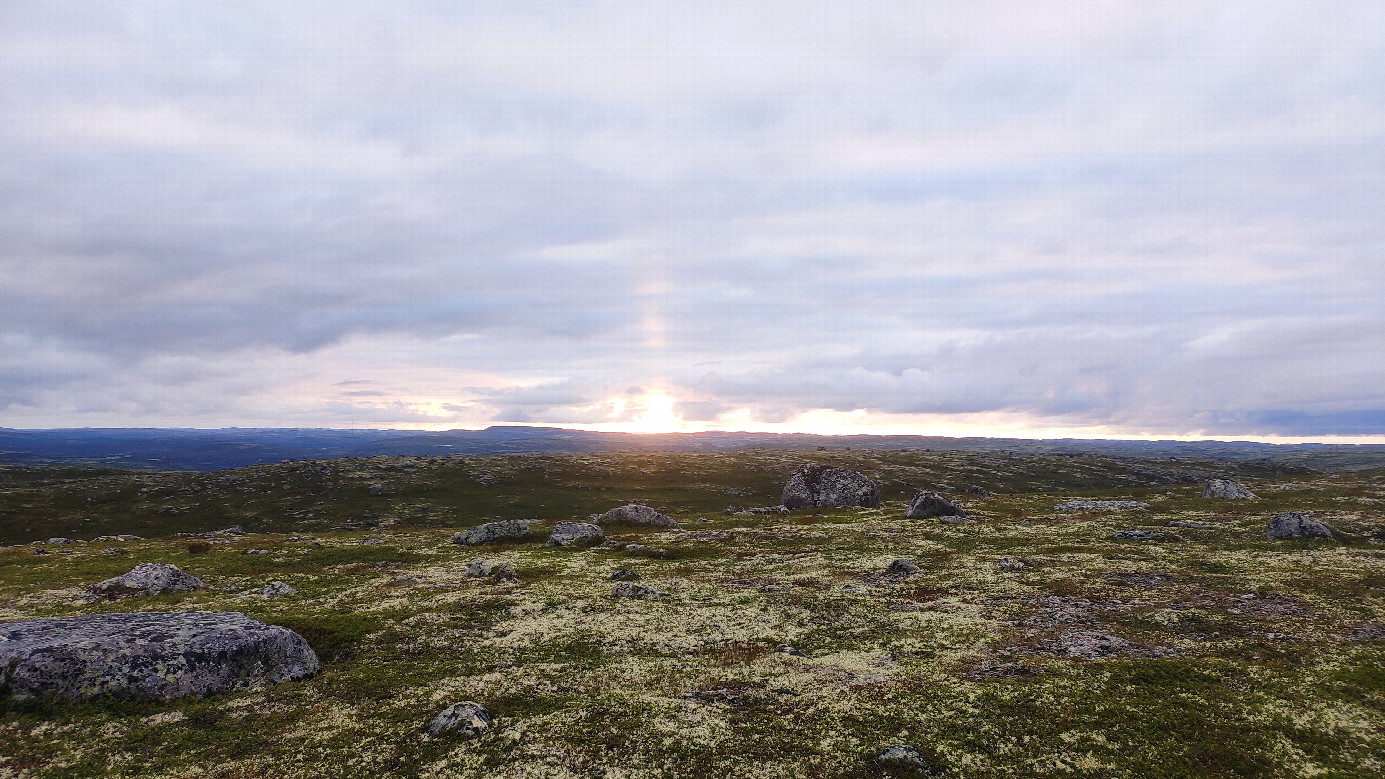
{"x": 1098, "y": 215}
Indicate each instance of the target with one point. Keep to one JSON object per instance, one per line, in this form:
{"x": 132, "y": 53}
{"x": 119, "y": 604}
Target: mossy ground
{"x": 1246, "y": 657}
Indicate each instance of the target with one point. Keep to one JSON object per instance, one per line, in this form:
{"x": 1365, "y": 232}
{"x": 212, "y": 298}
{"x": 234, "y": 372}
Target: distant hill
{"x": 209, "y": 450}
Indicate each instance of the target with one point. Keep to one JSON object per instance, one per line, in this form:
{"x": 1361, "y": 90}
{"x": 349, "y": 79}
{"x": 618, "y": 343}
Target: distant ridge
{"x": 209, "y": 450}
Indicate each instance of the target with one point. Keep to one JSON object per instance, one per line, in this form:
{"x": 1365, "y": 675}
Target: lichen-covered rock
{"x": 493, "y": 531}
{"x": 1090, "y": 645}
{"x": 623, "y": 574}
{"x": 628, "y": 589}
{"x": 815, "y": 485}
{"x": 1010, "y": 564}
{"x": 1225, "y": 489}
{"x": 148, "y": 579}
{"x": 979, "y": 491}
{"x": 154, "y": 655}
{"x": 494, "y": 569}
{"x": 636, "y": 514}
{"x": 900, "y": 761}
{"x": 1101, "y": 505}
{"x": 575, "y": 534}
{"x": 121, "y": 537}
{"x": 931, "y": 504}
{"x": 467, "y": 718}
{"x": 278, "y": 589}
{"x": 1295, "y": 524}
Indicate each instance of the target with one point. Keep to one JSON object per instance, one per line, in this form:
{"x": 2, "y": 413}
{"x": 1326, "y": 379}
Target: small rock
{"x": 480, "y": 569}
{"x": 1190, "y": 525}
{"x": 113, "y": 550}
{"x": 493, "y": 531}
{"x": 1101, "y": 505}
{"x": 979, "y": 491}
{"x": 1010, "y": 564}
{"x": 376, "y": 489}
{"x": 575, "y": 534}
{"x": 1090, "y": 645}
{"x": 902, "y": 761}
{"x": 467, "y": 718}
{"x": 636, "y": 514}
{"x": 629, "y": 589}
{"x": 854, "y": 589}
{"x": 277, "y": 589}
{"x": 1225, "y": 489}
{"x": 40, "y": 550}
{"x": 785, "y": 649}
{"x": 931, "y": 504}
{"x": 903, "y": 567}
{"x": 1137, "y": 535}
{"x": 646, "y": 551}
{"x": 814, "y": 485}
{"x": 122, "y": 537}
{"x": 148, "y": 579}
{"x": 60, "y": 540}
{"x": 372, "y": 541}
{"x": 623, "y": 575}
{"x": 255, "y": 551}
{"x": 954, "y": 520}
{"x": 1295, "y": 524}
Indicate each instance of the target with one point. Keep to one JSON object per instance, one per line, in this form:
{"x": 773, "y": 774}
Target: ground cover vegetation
{"x": 1030, "y": 641}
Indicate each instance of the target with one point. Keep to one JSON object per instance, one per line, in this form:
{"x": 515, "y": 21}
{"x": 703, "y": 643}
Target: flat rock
{"x": 148, "y": 579}
{"x": 1295, "y": 524}
{"x": 1190, "y": 525}
{"x": 1136, "y": 534}
{"x": 467, "y": 718}
{"x": 815, "y": 485}
{"x": 575, "y": 534}
{"x": 628, "y": 589}
{"x": 1101, "y": 505}
{"x": 931, "y": 504}
{"x": 493, "y": 531}
{"x": 151, "y": 655}
{"x": 1225, "y": 489}
{"x": 636, "y": 514}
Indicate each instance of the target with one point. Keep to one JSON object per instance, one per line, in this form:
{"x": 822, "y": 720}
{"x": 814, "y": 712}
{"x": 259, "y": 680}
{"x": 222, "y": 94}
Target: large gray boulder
{"x": 148, "y": 579}
{"x": 575, "y": 534}
{"x": 636, "y": 514}
{"x": 156, "y": 655}
{"x": 1294, "y": 524}
{"x": 493, "y": 531}
{"x": 931, "y": 504}
{"x": 815, "y": 485}
{"x": 1225, "y": 489}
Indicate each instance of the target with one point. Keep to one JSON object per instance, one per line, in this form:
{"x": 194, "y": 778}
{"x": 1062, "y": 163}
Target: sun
{"x": 658, "y": 416}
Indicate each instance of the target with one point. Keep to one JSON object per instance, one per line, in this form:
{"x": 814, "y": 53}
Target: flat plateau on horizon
{"x": 1033, "y": 639}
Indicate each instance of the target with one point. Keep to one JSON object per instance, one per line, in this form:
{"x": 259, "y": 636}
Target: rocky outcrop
{"x": 153, "y": 655}
{"x": 1294, "y": 524}
{"x": 636, "y": 514}
{"x": 817, "y": 486}
{"x": 1225, "y": 489}
{"x": 148, "y": 579}
{"x": 493, "y": 531}
{"x": 466, "y": 718}
{"x": 575, "y": 534}
{"x": 931, "y": 504}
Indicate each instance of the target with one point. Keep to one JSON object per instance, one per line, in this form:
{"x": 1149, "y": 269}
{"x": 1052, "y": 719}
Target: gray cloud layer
{"x": 1100, "y": 215}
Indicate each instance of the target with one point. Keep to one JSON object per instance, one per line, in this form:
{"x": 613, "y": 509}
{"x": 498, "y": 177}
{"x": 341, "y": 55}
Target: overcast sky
{"x": 1008, "y": 217}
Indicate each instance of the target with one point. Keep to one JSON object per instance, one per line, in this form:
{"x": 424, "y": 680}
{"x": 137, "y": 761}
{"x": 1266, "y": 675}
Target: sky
{"x": 990, "y": 217}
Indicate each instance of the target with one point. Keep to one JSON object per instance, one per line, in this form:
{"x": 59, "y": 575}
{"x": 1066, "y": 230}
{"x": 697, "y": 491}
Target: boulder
{"x": 902, "y": 761}
{"x": 814, "y": 485}
{"x": 150, "y": 655}
{"x": 148, "y": 579}
{"x": 493, "y": 531}
{"x": 1225, "y": 489}
{"x": 623, "y": 574}
{"x": 931, "y": 504}
{"x": 1010, "y": 564}
{"x": 1294, "y": 524}
{"x": 636, "y": 514}
{"x": 979, "y": 491}
{"x": 467, "y": 718}
{"x": 278, "y": 589}
{"x": 575, "y": 534}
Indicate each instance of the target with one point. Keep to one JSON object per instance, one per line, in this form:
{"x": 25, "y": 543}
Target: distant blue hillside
{"x": 208, "y": 450}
